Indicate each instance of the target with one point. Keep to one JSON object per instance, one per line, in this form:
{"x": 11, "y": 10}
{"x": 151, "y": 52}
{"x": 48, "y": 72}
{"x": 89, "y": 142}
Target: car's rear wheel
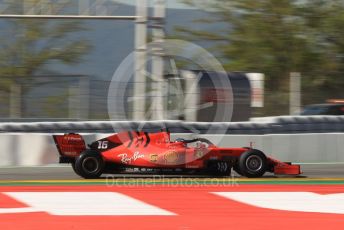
{"x": 252, "y": 163}
{"x": 74, "y": 168}
{"x": 89, "y": 165}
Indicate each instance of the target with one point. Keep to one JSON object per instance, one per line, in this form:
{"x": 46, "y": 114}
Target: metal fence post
{"x": 158, "y": 111}
{"x": 15, "y": 101}
{"x": 295, "y": 93}
{"x": 139, "y": 102}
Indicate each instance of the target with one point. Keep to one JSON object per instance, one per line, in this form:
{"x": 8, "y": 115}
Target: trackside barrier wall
{"x": 273, "y": 125}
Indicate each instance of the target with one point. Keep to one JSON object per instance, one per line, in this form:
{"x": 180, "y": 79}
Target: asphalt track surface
{"x": 65, "y": 172}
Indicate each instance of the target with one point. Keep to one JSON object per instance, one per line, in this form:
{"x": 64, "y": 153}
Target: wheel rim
{"x": 254, "y": 163}
{"x": 90, "y": 165}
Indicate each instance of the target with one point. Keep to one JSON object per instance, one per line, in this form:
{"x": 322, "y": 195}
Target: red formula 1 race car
{"x": 155, "y": 152}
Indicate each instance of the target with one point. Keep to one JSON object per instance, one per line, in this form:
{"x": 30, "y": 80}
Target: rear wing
{"x": 69, "y": 145}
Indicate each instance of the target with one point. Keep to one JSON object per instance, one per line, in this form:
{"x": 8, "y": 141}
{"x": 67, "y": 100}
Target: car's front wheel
{"x": 252, "y": 163}
{"x": 89, "y": 165}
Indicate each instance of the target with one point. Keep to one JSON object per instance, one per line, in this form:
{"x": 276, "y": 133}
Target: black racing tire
{"x": 252, "y": 163}
{"x": 89, "y": 165}
{"x": 74, "y": 168}
{"x": 236, "y": 166}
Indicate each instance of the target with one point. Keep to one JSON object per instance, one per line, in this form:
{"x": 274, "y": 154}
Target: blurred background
{"x": 280, "y": 55}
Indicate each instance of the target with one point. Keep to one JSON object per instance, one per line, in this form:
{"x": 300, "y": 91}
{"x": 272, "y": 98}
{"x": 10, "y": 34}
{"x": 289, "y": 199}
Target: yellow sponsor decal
{"x": 153, "y": 158}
